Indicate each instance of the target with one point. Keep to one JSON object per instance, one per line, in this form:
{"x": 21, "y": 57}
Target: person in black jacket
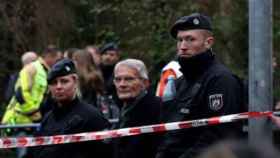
{"x": 70, "y": 115}
{"x": 109, "y": 102}
{"x": 110, "y": 55}
{"x": 207, "y": 88}
{"x": 139, "y": 107}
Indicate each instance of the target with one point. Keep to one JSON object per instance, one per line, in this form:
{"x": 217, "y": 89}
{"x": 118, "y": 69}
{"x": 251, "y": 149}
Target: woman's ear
{"x": 76, "y": 79}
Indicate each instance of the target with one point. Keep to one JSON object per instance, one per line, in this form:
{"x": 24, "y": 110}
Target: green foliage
{"x": 141, "y": 27}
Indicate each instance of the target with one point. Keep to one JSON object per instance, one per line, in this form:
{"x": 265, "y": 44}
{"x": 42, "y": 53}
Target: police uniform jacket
{"x": 207, "y": 88}
{"x": 76, "y": 117}
{"x": 144, "y": 110}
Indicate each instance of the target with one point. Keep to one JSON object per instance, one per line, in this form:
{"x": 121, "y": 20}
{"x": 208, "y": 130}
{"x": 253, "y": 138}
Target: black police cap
{"x": 109, "y": 46}
{"x": 61, "y": 68}
{"x": 191, "y": 22}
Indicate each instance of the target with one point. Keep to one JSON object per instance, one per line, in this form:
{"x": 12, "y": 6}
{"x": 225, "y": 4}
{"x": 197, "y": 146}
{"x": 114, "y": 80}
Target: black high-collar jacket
{"x": 195, "y": 66}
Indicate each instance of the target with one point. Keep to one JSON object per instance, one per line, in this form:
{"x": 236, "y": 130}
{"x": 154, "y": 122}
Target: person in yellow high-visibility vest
{"x": 30, "y": 89}
{"x": 26, "y": 59}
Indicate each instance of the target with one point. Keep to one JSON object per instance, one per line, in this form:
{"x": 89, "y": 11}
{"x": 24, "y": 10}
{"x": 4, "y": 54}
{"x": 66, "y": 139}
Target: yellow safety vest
{"x": 32, "y": 95}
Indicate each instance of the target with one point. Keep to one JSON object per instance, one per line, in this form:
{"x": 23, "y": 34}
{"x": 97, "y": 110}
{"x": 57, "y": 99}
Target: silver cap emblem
{"x": 195, "y": 21}
{"x": 67, "y": 68}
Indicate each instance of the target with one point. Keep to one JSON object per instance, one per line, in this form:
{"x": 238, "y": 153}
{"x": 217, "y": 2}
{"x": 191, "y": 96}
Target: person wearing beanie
{"x": 206, "y": 89}
{"x": 110, "y": 55}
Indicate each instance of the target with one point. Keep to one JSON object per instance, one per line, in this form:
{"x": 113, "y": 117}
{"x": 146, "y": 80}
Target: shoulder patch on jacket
{"x": 216, "y": 102}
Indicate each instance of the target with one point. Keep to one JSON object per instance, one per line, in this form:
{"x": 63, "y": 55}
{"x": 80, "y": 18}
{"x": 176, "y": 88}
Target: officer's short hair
{"x": 135, "y": 64}
{"x": 191, "y": 22}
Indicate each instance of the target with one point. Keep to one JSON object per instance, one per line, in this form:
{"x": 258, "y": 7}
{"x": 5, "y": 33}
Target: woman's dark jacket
{"x": 75, "y": 117}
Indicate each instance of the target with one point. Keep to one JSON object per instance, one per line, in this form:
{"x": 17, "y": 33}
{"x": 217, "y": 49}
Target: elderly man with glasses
{"x": 139, "y": 107}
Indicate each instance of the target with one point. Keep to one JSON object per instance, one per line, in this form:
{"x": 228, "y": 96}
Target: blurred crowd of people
{"x": 93, "y": 89}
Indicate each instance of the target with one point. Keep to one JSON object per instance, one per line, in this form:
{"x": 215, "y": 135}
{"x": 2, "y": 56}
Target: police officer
{"x": 70, "y": 115}
{"x": 207, "y": 88}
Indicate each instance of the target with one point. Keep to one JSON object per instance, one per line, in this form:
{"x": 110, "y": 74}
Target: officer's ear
{"x": 209, "y": 42}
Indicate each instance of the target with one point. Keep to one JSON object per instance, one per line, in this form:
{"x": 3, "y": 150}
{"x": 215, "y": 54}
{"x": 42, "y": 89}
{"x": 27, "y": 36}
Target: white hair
{"x": 136, "y": 64}
{"x": 28, "y": 57}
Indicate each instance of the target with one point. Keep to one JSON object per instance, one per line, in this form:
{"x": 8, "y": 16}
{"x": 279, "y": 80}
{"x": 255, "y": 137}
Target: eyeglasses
{"x": 125, "y": 79}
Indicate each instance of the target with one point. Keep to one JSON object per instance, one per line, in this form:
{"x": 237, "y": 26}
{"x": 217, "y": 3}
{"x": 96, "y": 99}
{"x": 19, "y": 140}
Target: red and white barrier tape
{"x": 89, "y": 136}
{"x": 37, "y": 125}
